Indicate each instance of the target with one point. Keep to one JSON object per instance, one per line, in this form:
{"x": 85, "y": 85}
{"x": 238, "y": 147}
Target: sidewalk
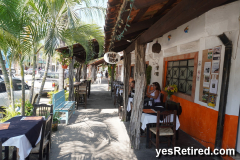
{"x": 98, "y": 133}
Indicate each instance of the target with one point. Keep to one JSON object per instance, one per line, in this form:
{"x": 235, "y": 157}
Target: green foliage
{"x": 148, "y": 74}
{"x": 56, "y": 117}
{"x": 110, "y": 70}
{"x": 64, "y": 58}
{"x": 9, "y": 114}
{"x": 28, "y": 108}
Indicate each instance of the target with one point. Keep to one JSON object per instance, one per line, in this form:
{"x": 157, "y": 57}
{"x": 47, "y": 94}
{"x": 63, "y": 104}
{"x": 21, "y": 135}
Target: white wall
{"x": 202, "y": 34}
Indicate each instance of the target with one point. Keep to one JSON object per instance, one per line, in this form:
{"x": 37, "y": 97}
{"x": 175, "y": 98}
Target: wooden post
{"x": 84, "y": 73}
{"x": 112, "y": 76}
{"x": 140, "y": 82}
{"x": 127, "y": 64}
{"x": 71, "y": 75}
{"x": 93, "y": 73}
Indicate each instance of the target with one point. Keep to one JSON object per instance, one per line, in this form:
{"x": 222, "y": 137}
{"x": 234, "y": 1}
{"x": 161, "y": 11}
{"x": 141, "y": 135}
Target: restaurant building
{"x": 193, "y": 56}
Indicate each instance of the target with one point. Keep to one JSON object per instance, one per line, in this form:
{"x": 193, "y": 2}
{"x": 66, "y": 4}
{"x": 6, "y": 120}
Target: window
{"x": 180, "y": 73}
{"x": 2, "y": 87}
{"x": 17, "y": 85}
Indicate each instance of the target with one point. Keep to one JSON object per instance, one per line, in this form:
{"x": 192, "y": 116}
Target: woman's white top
{"x": 158, "y": 98}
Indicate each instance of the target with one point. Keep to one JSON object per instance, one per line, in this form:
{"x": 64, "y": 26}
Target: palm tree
{"x": 13, "y": 18}
{"x": 64, "y": 23}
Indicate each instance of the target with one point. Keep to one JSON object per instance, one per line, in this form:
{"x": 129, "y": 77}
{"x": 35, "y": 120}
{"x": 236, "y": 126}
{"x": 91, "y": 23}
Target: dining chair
{"x": 43, "y": 147}
{"x": 4, "y": 152}
{"x": 82, "y": 92}
{"x": 42, "y": 110}
{"x": 171, "y": 105}
{"x": 167, "y": 128}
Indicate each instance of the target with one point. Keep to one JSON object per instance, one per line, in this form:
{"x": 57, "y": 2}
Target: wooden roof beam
{"x": 183, "y": 12}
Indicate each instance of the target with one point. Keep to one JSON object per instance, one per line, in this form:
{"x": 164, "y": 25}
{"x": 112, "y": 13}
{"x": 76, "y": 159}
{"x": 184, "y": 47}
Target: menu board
{"x": 210, "y": 75}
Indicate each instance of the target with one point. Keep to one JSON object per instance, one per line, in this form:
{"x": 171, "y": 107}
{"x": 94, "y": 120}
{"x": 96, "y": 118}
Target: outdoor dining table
{"x": 151, "y": 118}
{"x": 23, "y": 133}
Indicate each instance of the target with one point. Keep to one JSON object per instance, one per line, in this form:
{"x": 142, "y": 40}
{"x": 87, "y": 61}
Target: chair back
{"x": 42, "y": 109}
{"x": 167, "y": 118}
{"x": 161, "y": 97}
{"x": 46, "y": 131}
{"x": 82, "y": 88}
{"x": 170, "y": 105}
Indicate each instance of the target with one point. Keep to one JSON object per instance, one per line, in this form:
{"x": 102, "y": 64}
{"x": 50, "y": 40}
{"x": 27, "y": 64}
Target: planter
{"x": 64, "y": 66}
{"x": 54, "y": 126}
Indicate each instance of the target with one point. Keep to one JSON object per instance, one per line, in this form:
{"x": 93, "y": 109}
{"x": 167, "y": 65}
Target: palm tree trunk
{"x": 33, "y": 75}
{"x": 61, "y": 77}
{"x": 71, "y": 88}
{"x": 44, "y": 79}
{"x": 23, "y": 88}
{"x": 11, "y": 83}
{"x": 6, "y": 79}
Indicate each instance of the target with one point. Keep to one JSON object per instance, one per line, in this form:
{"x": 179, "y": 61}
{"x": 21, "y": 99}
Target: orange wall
{"x": 201, "y": 123}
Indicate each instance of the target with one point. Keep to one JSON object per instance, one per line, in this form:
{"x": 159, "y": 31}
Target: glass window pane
{"x": 189, "y": 87}
{"x": 182, "y": 86}
{"x": 169, "y": 72}
{"x": 191, "y": 62}
{"x": 183, "y": 63}
{"x": 175, "y": 81}
{"x": 169, "y": 64}
{"x": 175, "y": 63}
{"x": 190, "y": 73}
{"x": 2, "y": 88}
{"x": 183, "y": 73}
{"x": 17, "y": 85}
{"x": 169, "y": 81}
{"x": 175, "y": 72}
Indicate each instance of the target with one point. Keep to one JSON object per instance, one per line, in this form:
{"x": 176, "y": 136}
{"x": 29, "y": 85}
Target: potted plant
{"x": 171, "y": 89}
{"x": 64, "y": 59}
{"x": 56, "y": 120}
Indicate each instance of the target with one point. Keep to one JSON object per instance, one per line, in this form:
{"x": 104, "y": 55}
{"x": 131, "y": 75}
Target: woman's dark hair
{"x": 157, "y": 86}
{"x": 133, "y": 82}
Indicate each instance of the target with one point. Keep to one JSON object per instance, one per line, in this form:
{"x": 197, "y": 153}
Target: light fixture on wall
{"x": 156, "y": 47}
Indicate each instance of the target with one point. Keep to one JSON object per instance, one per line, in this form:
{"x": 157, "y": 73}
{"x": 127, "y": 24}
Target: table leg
{"x": 147, "y": 136}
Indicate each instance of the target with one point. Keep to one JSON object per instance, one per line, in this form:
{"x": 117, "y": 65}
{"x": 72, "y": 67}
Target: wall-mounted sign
{"x": 111, "y": 57}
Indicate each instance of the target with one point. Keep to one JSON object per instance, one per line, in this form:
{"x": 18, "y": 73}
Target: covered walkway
{"x": 98, "y": 133}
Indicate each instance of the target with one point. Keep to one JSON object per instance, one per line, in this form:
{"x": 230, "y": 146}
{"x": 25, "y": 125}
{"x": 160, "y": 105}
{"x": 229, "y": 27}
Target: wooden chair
{"x": 43, "y": 147}
{"x": 4, "y": 151}
{"x": 167, "y": 127}
{"x": 170, "y": 105}
{"x": 82, "y": 92}
{"x": 42, "y": 109}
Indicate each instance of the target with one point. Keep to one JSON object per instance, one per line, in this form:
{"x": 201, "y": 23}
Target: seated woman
{"x": 131, "y": 89}
{"x": 155, "y": 93}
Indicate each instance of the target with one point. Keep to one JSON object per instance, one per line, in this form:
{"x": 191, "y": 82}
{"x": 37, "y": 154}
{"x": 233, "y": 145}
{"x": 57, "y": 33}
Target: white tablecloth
{"x": 22, "y": 143}
{"x": 148, "y": 118}
{"x": 129, "y": 105}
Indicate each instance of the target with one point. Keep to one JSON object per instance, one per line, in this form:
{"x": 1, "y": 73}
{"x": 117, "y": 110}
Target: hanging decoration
{"x": 119, "y": 23}
{"x": 156, "y": 47}
{"x": 169, "y": 37}
{"x": 186, "y": 29}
